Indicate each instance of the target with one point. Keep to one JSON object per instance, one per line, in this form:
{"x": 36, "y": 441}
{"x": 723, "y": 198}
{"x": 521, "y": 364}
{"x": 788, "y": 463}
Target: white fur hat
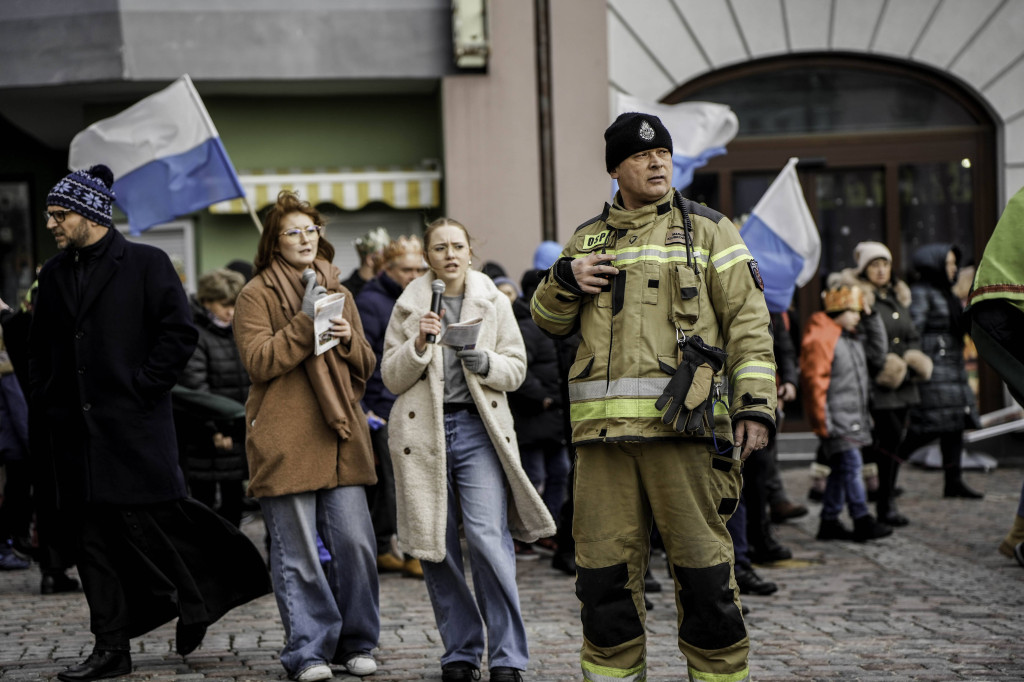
{"x": 865, "y": 252}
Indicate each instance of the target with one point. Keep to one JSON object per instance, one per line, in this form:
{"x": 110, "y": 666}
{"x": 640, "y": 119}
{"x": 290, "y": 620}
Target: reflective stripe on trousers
{"x": 598, "y": 673}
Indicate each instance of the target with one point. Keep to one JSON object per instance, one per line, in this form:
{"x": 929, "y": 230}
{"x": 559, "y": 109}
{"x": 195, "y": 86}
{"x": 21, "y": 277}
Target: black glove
{"x": 689, "y": 389}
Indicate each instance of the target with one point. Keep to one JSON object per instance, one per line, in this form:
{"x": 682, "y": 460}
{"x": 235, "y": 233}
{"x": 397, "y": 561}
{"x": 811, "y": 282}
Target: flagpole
{"x": 208, "y": 122}
{"x": 252, "y": 214}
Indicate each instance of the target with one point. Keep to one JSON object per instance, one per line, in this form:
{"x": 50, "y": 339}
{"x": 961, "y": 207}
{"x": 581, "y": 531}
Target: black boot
{"x": 100, "y": 665}
{"x": 867, "y": 528}
{"x": 891, "y": 516}
{"x": 188, "y": 637}
{"x": 833, "y": 529}
{"x": 955, "y": 487}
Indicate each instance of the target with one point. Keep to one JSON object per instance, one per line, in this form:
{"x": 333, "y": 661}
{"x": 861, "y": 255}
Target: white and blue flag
{"x": 699, "y": 130}
{"x": 781, "y": 235}
{"x": 166, "y": 156}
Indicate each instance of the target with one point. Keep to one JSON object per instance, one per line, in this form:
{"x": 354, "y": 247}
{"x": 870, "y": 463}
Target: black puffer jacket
{"x": 535, "y": 424}
{"x": 947, "y": 401}
{"x": 215, "y": 367}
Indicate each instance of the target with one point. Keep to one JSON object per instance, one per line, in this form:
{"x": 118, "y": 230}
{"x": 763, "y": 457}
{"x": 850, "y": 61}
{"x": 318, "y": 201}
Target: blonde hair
{"x": 399, "y": 247}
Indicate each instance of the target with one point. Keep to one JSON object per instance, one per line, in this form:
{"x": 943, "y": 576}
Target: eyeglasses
{"x": 311, "y": 232}
{"x": 58, "y": 216}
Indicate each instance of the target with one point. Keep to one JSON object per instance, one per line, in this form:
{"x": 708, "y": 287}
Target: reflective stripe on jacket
{"x": 629, "y": 331}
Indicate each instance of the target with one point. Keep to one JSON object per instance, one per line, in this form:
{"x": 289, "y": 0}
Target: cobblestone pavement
{"x": 933, "y": 602}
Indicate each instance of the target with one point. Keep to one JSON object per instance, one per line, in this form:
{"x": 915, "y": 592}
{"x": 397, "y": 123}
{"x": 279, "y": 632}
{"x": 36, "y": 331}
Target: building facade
{"x": 908, "y": 115}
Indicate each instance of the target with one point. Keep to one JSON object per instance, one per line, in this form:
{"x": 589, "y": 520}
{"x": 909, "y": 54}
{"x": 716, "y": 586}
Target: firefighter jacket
{"x": 670, "y": 283}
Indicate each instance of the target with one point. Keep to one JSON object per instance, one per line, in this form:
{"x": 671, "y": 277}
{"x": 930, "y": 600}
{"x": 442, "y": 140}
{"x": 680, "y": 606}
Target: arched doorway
{"x": 889, "y": 153}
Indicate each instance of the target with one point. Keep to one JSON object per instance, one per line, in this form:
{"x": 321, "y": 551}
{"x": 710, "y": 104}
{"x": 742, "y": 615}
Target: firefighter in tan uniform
{"x": 673, "y": 385}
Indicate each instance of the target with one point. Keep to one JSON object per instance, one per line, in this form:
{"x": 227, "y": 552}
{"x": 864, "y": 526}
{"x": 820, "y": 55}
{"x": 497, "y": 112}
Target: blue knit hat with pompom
{"x": 88, "y": 193}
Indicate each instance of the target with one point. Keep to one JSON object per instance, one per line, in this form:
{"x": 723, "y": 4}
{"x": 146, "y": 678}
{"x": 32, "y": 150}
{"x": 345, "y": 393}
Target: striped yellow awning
{"x": 347, "y": 188}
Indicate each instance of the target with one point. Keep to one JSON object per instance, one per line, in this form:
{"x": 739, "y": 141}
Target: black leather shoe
{"x": 751, "y": 583}
{"x": 459, "y": 671}
{"x": 99, "y": 666}
{"x": 505, "y": 674}
{"x": 55, "y": 583}
{"x": 188, "y": 637}
{"x": 769, "y": 553}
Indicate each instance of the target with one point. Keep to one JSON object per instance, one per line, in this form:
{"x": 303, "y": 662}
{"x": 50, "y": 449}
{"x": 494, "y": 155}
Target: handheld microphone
{"x": 307, "y": 275}
{"x": 437, "y": 290}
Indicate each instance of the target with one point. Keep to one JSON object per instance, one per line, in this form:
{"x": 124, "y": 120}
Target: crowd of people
{"x": 620, "y": 402}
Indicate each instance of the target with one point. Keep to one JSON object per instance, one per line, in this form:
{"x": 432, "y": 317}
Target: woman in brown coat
{"x": 308, "y": 446}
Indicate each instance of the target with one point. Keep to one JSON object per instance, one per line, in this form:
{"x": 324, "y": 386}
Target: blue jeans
{"x": 476, "y": 484}
{"x": 547, "y": 466}
{"x": 845, "y": 486}
{"x": 331, "y": 611}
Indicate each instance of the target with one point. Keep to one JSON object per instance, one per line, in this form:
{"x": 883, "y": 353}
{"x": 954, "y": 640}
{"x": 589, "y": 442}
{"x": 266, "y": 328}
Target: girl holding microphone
{"x": 456, "y": 458}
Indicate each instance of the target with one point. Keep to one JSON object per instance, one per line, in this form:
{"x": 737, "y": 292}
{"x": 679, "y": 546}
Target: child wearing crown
{"x": 841, "y": 350}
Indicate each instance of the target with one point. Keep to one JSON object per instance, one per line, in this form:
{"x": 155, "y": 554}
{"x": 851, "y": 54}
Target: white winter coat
{"x": 416, "y": 428}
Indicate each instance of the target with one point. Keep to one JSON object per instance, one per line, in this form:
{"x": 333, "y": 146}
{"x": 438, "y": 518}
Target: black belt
{"x": 452, "y": 408}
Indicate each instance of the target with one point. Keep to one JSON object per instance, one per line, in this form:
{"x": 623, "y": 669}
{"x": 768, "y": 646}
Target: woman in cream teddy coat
{"x": 456, "y": 458}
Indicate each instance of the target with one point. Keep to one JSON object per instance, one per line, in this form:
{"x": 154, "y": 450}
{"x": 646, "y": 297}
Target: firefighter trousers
{"x": 620, "y": 488}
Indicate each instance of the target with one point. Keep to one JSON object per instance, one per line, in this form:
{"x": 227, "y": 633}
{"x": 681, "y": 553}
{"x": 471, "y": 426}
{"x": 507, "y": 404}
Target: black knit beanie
{"x": 631, "y": 133}
{"x": 87, "y": 193}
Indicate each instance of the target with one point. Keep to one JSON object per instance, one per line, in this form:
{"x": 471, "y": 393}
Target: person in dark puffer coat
{"x": 214, "y": 450}
{"x": 895, "y": 388}
{"x": 537, "y": 406}
{"x": 947, "y": 404}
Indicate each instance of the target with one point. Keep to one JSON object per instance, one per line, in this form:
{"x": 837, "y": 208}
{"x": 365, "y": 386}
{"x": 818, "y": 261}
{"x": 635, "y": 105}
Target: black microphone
{"x": 437, "y": 289}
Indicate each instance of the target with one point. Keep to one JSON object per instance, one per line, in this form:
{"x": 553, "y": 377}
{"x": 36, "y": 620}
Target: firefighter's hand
{"x": 592, "y": 271}
{"x": 750, "y": 435}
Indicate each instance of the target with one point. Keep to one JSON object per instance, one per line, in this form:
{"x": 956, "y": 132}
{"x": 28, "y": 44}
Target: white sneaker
{"x": 361, "y": 665}
{"x": 314, "y": 673}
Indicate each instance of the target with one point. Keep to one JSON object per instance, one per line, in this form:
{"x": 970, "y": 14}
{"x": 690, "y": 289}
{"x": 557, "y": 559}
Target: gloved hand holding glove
{"x": 476, "y": 361}
{"x": 314, "y": 292}
{"x": 688, "y": 394}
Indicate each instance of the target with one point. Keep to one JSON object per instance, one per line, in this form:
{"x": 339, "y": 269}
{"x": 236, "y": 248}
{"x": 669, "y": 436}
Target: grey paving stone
{"x": 935, "y": 601}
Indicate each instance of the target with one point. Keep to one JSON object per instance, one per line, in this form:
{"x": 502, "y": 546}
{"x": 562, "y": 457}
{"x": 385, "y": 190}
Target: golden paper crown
{"x": 838, "y": 299}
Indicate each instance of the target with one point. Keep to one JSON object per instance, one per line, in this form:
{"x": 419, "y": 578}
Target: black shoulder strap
{"x": 681, "y": 203}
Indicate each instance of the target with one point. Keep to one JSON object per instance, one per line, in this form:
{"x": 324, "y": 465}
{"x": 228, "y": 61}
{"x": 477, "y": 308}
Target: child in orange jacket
{"x": 840, "y": 352}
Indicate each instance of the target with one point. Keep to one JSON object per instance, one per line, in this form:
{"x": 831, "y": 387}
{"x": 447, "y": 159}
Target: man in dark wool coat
{"x": 111, "y": 331}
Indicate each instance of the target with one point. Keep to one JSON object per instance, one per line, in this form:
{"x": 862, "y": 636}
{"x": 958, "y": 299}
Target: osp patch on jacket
{"x": 593, "y": 241}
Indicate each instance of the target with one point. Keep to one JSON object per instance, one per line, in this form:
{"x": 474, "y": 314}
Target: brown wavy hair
{"x": 287, "y": 202}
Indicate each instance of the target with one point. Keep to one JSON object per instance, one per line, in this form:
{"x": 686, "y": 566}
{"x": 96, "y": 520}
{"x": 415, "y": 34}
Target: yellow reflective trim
{"x": 757, "y": 365}
{"x": 637, "y": 673}
{"x": 633, "y": 248}
{"x": 725, "y": 252}
{"x": 616, "y": 408}
{"x": 742, "y": 258}
{"x": 721, "y": 408}
{"x": 548, "y": 315}
{"x": 698, "y": 676}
